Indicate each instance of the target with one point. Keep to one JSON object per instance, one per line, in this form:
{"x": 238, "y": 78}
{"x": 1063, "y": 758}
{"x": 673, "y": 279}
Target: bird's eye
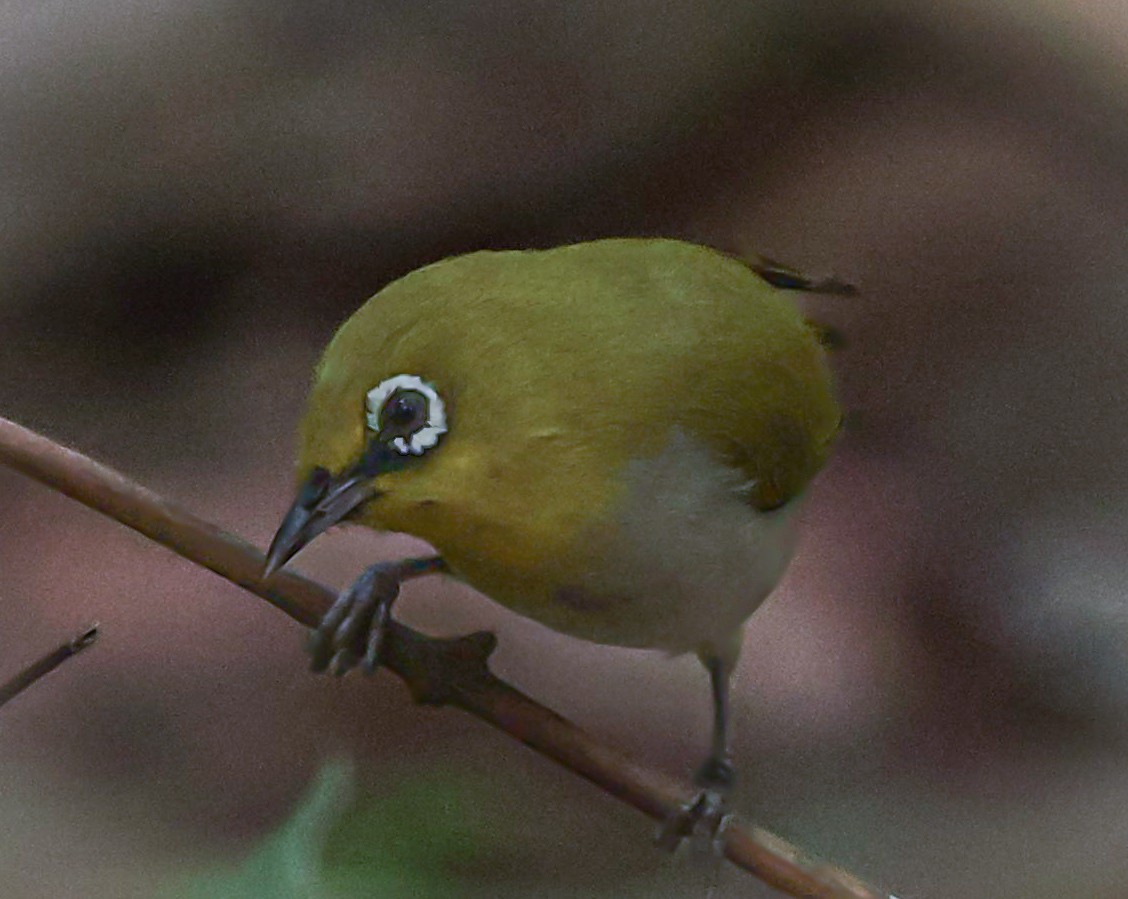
{"x": 403, "y": 413}
{"x": 406, "y": 413}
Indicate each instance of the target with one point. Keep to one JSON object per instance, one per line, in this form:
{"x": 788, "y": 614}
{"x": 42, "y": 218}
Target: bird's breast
{"x": 668, "y": 555}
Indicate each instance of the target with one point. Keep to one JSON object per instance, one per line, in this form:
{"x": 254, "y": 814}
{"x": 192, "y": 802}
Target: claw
{"x": 342, "y": 662}
{"x": 702, "y": 821}
{"x": 355, "y": 624}
{"x": 352, "y": 631}
{"x": 376, "y": 634}
{"x": 321, "y": 645}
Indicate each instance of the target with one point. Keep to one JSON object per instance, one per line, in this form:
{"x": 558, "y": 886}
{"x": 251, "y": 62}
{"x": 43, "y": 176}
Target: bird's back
{"x": 612, "y": 342}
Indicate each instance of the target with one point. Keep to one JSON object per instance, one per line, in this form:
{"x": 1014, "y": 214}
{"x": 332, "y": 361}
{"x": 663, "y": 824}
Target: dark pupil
{"x": 404, "y": 412}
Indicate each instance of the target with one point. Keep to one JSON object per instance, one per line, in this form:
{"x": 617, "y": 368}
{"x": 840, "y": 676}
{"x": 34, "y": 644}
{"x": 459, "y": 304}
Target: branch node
{"x": 437, "y": 670}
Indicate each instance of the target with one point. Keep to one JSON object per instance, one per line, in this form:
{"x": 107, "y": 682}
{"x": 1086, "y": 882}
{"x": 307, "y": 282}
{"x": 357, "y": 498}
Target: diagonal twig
{"x": 451, "y": 672}
{"x": 41, "y": 667}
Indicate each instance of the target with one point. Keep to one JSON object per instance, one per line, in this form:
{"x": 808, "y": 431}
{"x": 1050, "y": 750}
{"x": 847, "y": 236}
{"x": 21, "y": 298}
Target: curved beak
{"x": 322, "y": 501}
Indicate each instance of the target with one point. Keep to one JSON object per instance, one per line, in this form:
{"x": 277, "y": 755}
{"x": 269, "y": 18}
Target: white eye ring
{"x": 428, "y": 435}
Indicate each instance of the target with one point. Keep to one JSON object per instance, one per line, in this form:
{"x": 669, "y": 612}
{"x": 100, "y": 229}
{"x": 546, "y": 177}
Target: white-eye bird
{"x": 611, "y": 438}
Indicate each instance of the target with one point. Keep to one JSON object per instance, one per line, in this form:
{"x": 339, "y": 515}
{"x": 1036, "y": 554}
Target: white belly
{"x": 690, "y": 560}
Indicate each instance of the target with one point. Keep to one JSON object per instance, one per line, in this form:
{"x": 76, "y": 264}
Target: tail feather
{"x": 787, "y": 278}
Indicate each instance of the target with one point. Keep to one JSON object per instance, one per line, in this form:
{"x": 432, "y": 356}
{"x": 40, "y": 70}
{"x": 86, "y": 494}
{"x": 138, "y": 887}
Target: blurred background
{"x": 194, "y": 194}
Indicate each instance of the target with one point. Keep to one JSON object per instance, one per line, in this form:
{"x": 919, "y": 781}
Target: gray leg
{"x": 716, "y": 772}
{"x": 353, "y": 628}
{"x": 716, "y": 776}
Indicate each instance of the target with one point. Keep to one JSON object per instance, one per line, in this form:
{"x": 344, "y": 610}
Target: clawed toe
{"x": 342, "y": 663}
{"x": 352, "y": 631}
{"x": 375, "y": 648}
{"x": 701, "y": 821}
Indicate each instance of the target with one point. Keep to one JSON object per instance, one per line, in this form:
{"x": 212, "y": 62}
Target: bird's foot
{"x": 703, "y": 819}
{"x": 352, "y": 631}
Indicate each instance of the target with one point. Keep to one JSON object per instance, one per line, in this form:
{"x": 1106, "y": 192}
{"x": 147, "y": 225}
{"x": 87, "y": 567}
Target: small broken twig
{"x": 44, "y": 666}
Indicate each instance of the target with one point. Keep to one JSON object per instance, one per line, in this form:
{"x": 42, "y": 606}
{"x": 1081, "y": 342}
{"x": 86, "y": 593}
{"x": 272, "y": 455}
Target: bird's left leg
{"x": 353, "y": 629}
{"x": 716, "y": 777}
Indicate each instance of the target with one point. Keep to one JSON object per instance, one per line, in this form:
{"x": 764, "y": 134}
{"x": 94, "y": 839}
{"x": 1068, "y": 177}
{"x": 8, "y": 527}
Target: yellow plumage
{"x": 558, "y": 367}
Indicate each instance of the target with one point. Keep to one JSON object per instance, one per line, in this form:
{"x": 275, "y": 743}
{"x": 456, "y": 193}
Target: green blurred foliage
{"x": 289, "y": 863}
{"x": 435, "y": 834}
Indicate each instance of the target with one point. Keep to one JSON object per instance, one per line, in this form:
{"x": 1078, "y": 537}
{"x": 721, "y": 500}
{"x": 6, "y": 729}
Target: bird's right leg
{"x": 716, "y": 776}
{"x": 353, "y": 629}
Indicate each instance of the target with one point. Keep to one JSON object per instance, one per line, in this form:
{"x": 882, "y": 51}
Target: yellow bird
{"x": 611, "y": 438}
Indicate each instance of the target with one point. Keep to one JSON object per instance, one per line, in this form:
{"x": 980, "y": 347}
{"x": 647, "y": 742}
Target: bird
{"x": 612, "y": 438}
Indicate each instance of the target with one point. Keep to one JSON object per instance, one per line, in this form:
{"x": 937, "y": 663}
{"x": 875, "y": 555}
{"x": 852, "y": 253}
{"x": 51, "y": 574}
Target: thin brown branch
{"x": 450, "y": 672}
{"x": 48, "y": 663}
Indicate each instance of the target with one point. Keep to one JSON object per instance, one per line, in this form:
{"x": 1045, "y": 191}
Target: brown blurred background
{"x": 192, "y": 196}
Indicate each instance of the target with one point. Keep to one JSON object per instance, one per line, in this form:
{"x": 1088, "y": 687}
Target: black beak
{"x": 322, "y": 502}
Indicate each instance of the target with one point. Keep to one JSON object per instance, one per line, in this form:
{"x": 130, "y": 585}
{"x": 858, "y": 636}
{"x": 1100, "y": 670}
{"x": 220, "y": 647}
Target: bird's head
{"x": 362, "y": 428}
{"x": 377, "y": 444}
